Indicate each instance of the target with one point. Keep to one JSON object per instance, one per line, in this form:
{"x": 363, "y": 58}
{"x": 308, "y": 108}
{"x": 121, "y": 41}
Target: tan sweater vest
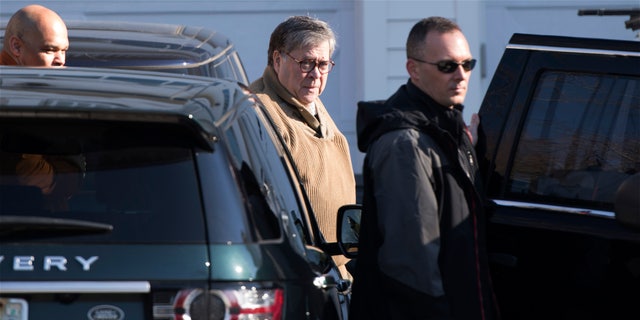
{"x": 323, "y": 159}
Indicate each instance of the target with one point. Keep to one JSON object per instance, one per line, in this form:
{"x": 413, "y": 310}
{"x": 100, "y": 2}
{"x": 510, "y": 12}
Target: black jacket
{"x": 422, "y": 233}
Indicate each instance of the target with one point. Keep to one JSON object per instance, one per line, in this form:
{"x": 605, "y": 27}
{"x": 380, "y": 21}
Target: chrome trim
{"x": 573, "y": 50}
{"x": 15, "y": 287}
{"x": 578, "y": 211}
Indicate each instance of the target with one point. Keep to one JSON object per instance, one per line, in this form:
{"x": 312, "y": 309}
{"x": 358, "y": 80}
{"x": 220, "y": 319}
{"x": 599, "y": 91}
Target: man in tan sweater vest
{"x": 299, "y": 62}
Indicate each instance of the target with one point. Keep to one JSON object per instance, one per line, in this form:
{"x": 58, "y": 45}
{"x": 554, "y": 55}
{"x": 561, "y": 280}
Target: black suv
{"x": 141, "y": 195}
{"x": 157, "y": 47}
{"x": 560, "y": 146}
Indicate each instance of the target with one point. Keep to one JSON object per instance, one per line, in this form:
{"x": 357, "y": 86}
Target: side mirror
{"x": 320, "y": 262}
{"x": 349, "y": 229}
{"x": 627, "y": 202}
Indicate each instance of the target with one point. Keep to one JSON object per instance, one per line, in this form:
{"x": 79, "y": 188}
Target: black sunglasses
{"x": 449, "y": 66}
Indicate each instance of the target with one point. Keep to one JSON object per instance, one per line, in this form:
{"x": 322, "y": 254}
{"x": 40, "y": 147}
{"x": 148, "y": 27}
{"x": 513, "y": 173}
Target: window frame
{"x": 539, "y": 63}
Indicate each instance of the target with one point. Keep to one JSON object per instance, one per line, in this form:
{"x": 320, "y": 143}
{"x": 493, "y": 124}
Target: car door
{"x": 564, "y": 127}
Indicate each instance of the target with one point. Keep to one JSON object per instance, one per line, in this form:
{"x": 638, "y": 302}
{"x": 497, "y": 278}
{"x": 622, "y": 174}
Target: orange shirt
{"x": 34, "y": 170}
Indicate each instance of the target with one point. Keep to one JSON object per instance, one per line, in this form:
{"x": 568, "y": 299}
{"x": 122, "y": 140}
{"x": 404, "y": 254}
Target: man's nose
{"x": 461, "y": 73}
{"x": 60, "y": 58}
{"x": 315, "y": 72}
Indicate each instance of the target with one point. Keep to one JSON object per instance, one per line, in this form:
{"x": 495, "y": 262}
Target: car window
{"x": 263, "y": 160}
{"x": 580, "y": 141}
{"x": 139, "y": 179}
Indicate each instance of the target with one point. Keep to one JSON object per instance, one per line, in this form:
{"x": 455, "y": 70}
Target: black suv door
{"x": 561, "y": 125}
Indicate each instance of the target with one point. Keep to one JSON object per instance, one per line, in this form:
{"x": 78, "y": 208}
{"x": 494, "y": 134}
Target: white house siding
{"x": 371, "y": 35}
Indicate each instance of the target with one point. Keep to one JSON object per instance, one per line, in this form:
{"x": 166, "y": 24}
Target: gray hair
{"x": 298, "y": 32}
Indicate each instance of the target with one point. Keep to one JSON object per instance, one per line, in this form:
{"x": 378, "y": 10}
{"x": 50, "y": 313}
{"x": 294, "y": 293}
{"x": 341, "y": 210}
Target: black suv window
{"x": 580, "y": 141}
{"x": 139, "y": 179}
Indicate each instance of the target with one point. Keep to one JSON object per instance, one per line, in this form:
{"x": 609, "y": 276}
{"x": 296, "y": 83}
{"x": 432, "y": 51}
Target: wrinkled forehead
{"x": 321, "y": 48}
{"x": 308, "y": 42}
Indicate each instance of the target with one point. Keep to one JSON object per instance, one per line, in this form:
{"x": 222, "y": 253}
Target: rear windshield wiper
{"x": 29, "y": 224}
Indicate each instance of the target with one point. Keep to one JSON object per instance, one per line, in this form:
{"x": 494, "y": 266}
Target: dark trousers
{"x": 403, "y": 302}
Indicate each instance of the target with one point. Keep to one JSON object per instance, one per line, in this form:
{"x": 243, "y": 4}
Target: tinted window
{"x": 254, "y": 147}
{"x": 137, "y": 178}
{"x": 580, "y": 141}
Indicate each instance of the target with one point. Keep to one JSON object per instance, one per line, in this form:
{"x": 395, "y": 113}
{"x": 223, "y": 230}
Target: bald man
{"x": 35, "y": 36}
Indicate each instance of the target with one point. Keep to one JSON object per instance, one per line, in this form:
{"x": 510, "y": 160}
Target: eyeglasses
{"x": 449, "y": 66}
{"x": 310, "y": 64}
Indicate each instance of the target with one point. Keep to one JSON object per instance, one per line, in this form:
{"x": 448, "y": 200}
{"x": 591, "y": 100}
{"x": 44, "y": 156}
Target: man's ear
{"x": 412, "y": 68}
{"x": 277, "y": 59}
{"x": 15, "y": 46}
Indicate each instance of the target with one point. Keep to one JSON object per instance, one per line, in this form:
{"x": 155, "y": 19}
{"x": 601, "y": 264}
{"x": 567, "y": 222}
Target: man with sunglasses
{"x": 35, "y": 36}
{"x": 422, "y": 253}
{"x": 299, "y": 62}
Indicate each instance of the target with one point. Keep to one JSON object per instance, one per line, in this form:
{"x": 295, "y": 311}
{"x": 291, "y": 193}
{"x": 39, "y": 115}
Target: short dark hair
{"x": 300, "y": 31}
{"x": 415, "y": 41}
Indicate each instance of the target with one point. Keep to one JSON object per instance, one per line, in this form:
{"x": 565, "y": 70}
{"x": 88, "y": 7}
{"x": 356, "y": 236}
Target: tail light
{"x": 243, "y": 303}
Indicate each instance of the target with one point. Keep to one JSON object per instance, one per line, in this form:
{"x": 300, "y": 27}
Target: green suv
{"x": 143, "y": 195}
